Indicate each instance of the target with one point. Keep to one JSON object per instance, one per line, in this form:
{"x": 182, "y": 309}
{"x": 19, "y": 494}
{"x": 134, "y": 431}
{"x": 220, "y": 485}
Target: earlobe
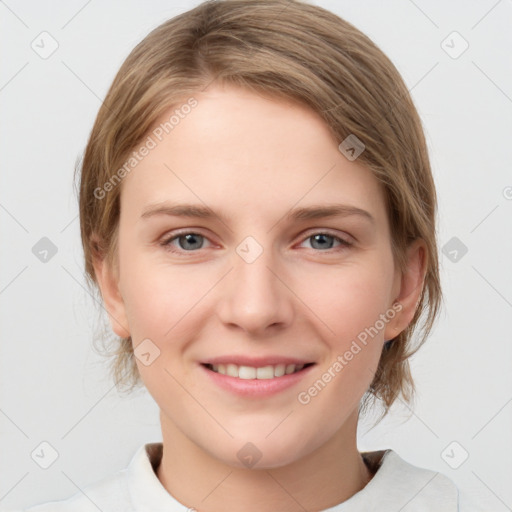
{"x": 108, "y": 283}
{"x": 411, "y": 287}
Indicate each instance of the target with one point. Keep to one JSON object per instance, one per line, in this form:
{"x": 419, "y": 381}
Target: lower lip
{"x": 256, "y": 387}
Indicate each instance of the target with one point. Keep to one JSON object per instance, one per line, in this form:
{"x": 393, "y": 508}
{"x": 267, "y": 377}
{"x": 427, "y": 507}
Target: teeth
{"x": 232, "y": 370}
{"x": 246, "y": 372}
{"x": 279, "y": 370}
{"x": 249, "y": 372}
{"x": 265, "y": 372}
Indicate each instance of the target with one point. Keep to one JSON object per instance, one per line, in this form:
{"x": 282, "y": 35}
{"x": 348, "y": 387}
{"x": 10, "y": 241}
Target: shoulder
{"x": 112, "y": 494}
{"x": 108, "y": 494}
{"x": 400, "y": 485}
{"x": 132, "y": 489}
{"x": 421, "y": 488}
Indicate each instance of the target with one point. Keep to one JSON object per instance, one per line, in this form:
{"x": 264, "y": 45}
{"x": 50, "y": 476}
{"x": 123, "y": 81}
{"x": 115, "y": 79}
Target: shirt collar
{"x": 146, "y": 491}
{"x": 395, "y": 483}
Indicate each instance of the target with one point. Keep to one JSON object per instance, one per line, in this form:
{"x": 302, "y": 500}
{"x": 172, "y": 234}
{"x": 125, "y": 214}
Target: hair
{"x": 289, "y": 50}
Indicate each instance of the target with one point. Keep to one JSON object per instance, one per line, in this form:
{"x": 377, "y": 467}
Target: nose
{"x": 255, "y": 296}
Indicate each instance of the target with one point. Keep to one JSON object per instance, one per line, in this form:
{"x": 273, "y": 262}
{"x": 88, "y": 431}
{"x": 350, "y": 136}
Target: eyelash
{"x": 166, "y": 243}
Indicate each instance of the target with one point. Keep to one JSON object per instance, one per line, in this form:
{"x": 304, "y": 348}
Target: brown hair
{"x": 291, "y": 50}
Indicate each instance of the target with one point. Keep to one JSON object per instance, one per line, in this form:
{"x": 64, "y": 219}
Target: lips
{"x": 246, "y": 372}
{"x": 256, "y": 378}
{"x": 256, "y": 362}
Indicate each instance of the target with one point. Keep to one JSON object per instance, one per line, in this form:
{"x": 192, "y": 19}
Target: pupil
{"x": 322, "y": 245}
{"x": 190, "y": 238}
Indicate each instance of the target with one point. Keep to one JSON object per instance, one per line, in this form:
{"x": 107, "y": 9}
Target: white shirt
{"x": 396, "y": 485}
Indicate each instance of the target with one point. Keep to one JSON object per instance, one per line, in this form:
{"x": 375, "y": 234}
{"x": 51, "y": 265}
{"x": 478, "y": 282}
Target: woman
{"x": 258, "y": 211}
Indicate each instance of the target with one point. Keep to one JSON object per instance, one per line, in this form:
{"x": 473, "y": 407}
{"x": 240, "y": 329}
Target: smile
{"x": 262, "y": 372}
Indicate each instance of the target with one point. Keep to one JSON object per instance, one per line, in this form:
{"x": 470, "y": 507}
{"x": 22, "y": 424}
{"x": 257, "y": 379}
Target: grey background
{"x": 55, "y": 388}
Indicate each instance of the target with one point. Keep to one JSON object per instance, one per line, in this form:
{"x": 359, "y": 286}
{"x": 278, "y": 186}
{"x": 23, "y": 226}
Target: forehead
{"x": 250, "y": 154}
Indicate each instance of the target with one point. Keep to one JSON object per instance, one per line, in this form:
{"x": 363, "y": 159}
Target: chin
{"x": 260, "y": 452}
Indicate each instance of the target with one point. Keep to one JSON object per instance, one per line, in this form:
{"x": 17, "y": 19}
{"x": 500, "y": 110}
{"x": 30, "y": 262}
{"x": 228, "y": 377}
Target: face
{"x": 231, "y": 274}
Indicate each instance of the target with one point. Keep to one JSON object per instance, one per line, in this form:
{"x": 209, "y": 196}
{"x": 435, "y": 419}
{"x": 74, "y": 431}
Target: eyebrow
{"x": 304, "y": 213}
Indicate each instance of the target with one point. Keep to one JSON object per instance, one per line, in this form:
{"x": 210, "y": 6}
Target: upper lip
{"x": 256, "y": 362}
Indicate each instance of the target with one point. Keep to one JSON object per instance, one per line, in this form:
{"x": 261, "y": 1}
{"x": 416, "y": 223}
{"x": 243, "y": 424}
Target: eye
{"x": 187, "y": 242}
{"x": 324, "y": 241}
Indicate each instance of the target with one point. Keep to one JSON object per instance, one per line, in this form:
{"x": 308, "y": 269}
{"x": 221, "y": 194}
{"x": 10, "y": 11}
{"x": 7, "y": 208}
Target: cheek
{"x": 352, "y": 309}
{"x": 352, "y": 299}
{"x": 158, "y": 297}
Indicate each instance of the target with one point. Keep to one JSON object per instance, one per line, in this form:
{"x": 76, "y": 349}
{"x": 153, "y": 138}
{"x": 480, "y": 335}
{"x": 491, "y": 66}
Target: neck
{"x": 326, "y": 477}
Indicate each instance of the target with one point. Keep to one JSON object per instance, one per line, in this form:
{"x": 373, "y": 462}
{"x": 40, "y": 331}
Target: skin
{"x": 253, "y": 159}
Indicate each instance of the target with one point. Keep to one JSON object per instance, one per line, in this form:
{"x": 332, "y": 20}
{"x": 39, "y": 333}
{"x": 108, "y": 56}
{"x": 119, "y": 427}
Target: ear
{"x": 410, "y": 286}
{"x": 108, "y": 282}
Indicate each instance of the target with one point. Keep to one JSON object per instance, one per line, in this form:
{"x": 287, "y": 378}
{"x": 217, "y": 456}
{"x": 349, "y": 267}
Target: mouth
{"x": 256, "y": 378}
{"x": 260, "y": 373}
